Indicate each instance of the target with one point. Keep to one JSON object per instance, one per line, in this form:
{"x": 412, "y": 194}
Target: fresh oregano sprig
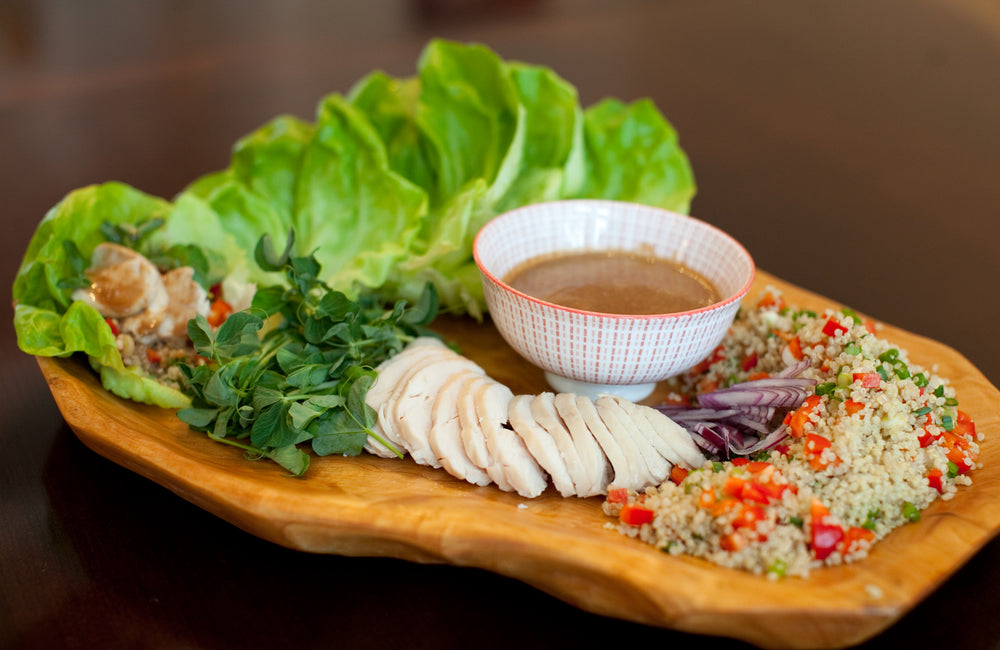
{"x": 305, "y": 379}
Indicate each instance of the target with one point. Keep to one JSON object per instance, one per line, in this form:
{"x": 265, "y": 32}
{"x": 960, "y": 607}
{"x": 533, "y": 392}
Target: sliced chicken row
{"x": 444, "y": 411}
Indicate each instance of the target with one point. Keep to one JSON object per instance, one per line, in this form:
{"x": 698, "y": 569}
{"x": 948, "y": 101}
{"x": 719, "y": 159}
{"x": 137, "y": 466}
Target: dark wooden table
{"x": 851, "y": 145}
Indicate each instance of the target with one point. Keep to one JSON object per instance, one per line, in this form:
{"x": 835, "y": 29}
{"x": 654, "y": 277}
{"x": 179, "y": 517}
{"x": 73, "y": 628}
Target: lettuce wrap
{"x": 387, "y": 186}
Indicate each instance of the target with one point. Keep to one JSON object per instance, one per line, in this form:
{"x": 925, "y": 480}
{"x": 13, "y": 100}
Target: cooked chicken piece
{"x": 630, "y": 470}
{"x": 590, "y": 475}
{"x": 412, "y": 403}
{"x": 186, "y": 299}
{"x": 511, "y": 457}
{"x": 123, "y": 283}
{"x": 591, "y": 451}
{"x": 674, "y": 435}
{"x": 387, "y": 417}
{"x": 645, "y": 428}
{"x": 473, "y": 437}
{"x": 445, "y": 437}
{"x": 390, "y": 372}
{"x": 540, "y": 444}
{"x": 622, "y": 427}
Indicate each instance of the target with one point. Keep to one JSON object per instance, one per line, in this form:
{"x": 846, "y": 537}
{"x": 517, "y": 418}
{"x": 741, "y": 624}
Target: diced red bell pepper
{"x": 749, "y": 361}
{"x": 799, "y": 417}
{"x": 219, "y": 312}
{"x": 852, "y": 407}
{"x": 748, "y": 517}
{"x": 752, "y": 492}
{"x": 114, "y": 328}
{"x": 757, "y": 466}
{"x": 815, "y": 444}
{"x": 617, "y": 495}
{"x": 854, "y": 535}
{"x": 795, "y": 348}
{"x": 678, "y": 474}
{"x": 771, "y": 300}
{"x": 934, "y": 479}
{"x": 707, "y": 498}
{"x": 631, "y": 515}
{"x": 733, "y": 541}
{"x": 824, "y": 537}
{"x": 153, "y": 356}
{"x": 734, "y": 486}
{"x": 868, "y": 379}
{"x": 833, "y": 327}
{"x": 723, "y": 506}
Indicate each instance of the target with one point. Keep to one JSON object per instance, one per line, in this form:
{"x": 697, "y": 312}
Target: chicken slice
{"x": 123, "y": 283}
{"x": 185, "y": 300}
{"x": 445, "y": 437}
{"x": 674, "y": 435}
{"x": 390, "y": 372}
{"x": 622, "y": 427}
{"x": 541, "y": 444}
{"x": 585, "y": 476}
{"x": 630, "y": 471}
{"x": 511, "y": 457}
{"x": 473, "y": 437}
{"x": 412, "y": 403}
{"x": 591, "y": 452}
{"x": 645, "y": 429}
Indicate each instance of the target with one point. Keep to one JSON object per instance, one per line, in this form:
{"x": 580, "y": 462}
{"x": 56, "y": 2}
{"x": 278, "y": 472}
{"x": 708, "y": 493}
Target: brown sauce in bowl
{"x": 613, "y": 282}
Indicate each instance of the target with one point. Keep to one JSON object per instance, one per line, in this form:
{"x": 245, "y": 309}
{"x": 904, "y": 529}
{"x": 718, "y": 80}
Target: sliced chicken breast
{"x": 590, "y": 475}
{"x": 592, "y": 453}
{"x": 541, "y": 444}
{"x": 645, "y": 429}
{"x": 445, "y": 437}
{"x": 674, "y": 435}
{"x": 412, "y": 403}
{"x": 622, "y": 427}
{"x": 511, "y": 457}
{"x": 630, "y": 471}
{"x": 473, "y": 436}
{"x": 390, "y": 372}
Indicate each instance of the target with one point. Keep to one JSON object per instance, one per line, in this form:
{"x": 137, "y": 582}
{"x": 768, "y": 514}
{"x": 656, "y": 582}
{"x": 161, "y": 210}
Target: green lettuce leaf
{"x": 387, "y": 186}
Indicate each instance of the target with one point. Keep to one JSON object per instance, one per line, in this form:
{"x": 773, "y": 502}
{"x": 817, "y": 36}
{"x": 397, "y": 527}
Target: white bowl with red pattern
{"x": 591, "y": 353}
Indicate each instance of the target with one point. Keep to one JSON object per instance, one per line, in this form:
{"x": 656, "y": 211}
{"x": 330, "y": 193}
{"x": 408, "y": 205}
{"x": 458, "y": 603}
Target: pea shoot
{"x": 305, "y": 380}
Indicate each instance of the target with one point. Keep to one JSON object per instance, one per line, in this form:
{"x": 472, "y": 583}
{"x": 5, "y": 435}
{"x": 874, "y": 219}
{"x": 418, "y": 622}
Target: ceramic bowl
{"x": 590, "y": 353}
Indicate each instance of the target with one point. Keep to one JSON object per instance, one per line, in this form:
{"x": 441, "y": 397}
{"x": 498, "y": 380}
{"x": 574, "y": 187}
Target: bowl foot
{"x": 632, "y": 392}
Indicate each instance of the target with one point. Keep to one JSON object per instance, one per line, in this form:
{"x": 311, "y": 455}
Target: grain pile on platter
{"x": 824, "y": 438}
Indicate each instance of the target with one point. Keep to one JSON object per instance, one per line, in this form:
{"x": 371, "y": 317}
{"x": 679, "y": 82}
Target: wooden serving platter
{"x": 368, "y": 506}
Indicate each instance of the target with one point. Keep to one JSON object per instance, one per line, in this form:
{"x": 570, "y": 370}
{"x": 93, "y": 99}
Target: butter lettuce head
{"x": 387, "y": 185}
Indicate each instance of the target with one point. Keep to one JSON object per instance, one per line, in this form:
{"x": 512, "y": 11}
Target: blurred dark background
{"x": 851, "y": 145}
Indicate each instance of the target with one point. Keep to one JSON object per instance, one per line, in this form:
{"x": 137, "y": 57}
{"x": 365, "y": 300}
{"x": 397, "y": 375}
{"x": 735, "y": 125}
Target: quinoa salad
{"x": 823, "y": 436}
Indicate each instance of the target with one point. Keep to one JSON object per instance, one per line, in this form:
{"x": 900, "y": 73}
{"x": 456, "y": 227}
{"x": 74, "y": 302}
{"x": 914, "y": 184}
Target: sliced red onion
{"x": 739, "y": 419}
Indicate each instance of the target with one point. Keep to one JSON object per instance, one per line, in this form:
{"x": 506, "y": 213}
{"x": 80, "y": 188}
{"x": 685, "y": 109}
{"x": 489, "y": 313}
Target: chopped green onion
{"x": 717, "y": 466}
{"x": 796, "y": 521}
{"x": 910, "y": 511}
{"x": 889, "y": 355}
{"x": 807, "y": 312}
{"x": 902, "y": 371}
{"x": 939, "y": 391}
{"x": 882, "y": 373}
{"x": 947, "y": 422}
{"x": 852, "y": 348}
{"x": 870, "y": 519}
{"x": 853, "y": 314}
{"x": 952, "y": 469}
{"x": 920, "y": 380}
{"x": 950, "y": 401}
{"x": 923, "y": 410}
{"x": 826, "y": 388}
{"x": 778, "y": 568}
